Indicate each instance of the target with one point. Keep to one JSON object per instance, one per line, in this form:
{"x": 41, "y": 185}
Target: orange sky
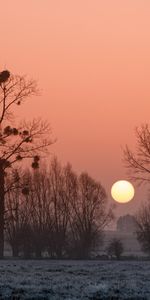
{"x": 92, "y": 62}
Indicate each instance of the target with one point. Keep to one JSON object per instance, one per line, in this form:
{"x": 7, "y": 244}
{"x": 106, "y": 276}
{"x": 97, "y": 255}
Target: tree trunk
{"x": 27, "y": 252}
{"x": 59, "y": 253}
{"x": 15, "y": 251}
{"x": 1, "y": 211}
{"x": 38, "y": 253}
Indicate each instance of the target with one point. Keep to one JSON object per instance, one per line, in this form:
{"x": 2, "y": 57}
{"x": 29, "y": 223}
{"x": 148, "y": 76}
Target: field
{"x": 71, "y": 280}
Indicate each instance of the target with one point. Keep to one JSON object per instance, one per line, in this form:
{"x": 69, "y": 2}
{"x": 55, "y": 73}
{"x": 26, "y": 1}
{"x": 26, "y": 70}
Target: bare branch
{"x": 138, "y": 164}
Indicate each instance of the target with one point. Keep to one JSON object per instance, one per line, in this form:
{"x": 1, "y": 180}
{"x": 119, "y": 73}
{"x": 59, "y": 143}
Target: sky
{"x": 91, "y": 60}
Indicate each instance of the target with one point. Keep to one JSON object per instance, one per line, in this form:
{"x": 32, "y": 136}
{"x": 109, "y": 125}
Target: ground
{"x": 72, "y": 280}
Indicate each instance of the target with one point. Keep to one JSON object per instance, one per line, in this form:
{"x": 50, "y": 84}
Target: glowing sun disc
{"x": 122, "y": 191}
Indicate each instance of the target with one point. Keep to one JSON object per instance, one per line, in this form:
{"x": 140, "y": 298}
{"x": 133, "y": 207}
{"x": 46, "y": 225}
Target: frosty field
{"x": 71, "y": 280}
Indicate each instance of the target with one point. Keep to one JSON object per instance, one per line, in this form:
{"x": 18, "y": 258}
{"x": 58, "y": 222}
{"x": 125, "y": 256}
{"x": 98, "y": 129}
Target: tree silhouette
{"x": 138, "y": 163}
{"x": 115, "y": 248}
{"x": 143, "y": 227}
{"x": 58, "y": 213}
{"x": 90, "y": 215}
{"x": 25, "y": 141}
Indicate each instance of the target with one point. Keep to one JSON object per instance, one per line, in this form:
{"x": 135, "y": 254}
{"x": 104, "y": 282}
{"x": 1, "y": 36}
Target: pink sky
{"x": 92, "y": 62}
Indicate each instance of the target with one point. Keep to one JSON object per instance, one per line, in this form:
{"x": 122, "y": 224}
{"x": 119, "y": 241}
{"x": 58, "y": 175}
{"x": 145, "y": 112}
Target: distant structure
{"x": 127, "y": 224}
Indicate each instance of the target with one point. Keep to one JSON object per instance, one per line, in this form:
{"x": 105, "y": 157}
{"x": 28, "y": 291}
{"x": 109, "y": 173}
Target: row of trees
{"x": 56, "y": 212}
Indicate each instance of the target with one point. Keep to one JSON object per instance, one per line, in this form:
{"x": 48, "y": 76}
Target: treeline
{"x": 54, "y": 212}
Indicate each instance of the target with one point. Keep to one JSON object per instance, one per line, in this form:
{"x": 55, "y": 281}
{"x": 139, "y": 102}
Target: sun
{"x": 122, "y": 191}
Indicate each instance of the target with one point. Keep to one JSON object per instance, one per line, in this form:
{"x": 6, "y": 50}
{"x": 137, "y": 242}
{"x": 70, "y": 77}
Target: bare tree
{"x": 59, "y": 193}
{"x": 17, "y": 209}
{"x": 138, "y": 163}
{"x": 25, "y": 141}
{"x": 115, "y": 248}
{"x": 90, "y": 215}
{"x": 41, "y": 209}
{"x": 143, "y": 227}
{"x": 12, "y": 220}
